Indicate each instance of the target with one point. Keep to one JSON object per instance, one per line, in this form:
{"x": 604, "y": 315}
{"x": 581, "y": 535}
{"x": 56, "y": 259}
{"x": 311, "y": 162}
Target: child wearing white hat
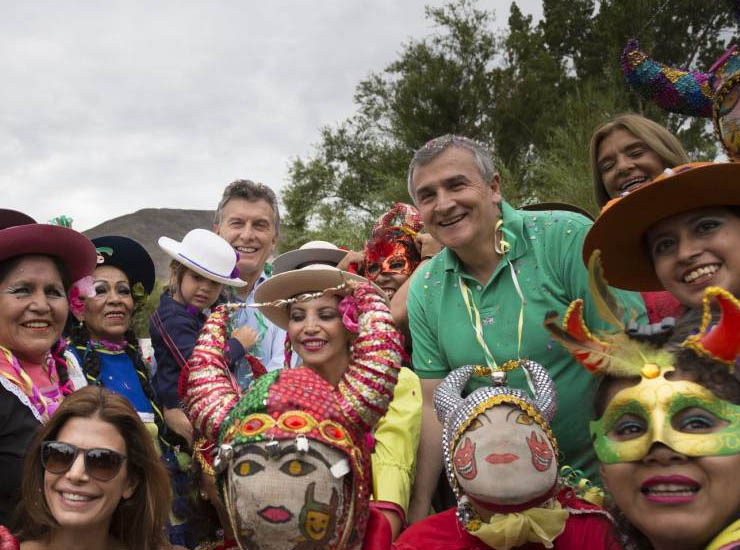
{"x": 201, "y": 265}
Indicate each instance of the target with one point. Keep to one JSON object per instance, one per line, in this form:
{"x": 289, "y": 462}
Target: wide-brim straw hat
{"x": 205, "y": 253}
{"x": 619, "y": 231}
{"x": 311, "y": 252}
{"x": 73, "y": 249}
{"x": 312, "y": 278}
{"x": 129, "y": 256}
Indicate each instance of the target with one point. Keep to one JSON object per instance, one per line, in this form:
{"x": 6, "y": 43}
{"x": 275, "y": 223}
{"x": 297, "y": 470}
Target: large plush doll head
{"x": 292, "y": 460}
{"x": 499, "y": 452}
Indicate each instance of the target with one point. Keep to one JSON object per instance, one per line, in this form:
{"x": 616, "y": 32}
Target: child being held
{"x": 201, "y": 265}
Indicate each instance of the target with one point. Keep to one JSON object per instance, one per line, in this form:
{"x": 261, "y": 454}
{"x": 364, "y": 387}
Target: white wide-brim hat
{"x": 312, "y": 278}
{"x": 205, "y": 253}
{"x": 310, "y": 253}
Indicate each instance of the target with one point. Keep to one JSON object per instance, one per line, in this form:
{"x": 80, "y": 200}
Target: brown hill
{"x": 149, "y": 224}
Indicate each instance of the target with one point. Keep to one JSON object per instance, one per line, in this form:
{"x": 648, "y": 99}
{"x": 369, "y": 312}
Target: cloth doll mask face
{"x": 279, "y": 497}
{"x": 728, "y": 116}
{"x": 504, "y": 457}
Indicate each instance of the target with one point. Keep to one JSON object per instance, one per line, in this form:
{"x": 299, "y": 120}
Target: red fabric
{"x": 378, "y": 535}
{"x": 661, "y": 304}
{"x": 258, "y": 369}
{"x": 589, "y": 528}
{"x": 9, "y": 542}
{"x": 381, "y": 505}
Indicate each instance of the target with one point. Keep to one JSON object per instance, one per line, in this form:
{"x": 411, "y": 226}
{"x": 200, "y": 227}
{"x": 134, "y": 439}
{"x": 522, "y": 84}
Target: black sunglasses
{"x": 100, "y": 464}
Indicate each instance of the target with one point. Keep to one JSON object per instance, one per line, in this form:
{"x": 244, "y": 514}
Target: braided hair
{"x": 57, "y": 354}
{"x": 80, "y": 338}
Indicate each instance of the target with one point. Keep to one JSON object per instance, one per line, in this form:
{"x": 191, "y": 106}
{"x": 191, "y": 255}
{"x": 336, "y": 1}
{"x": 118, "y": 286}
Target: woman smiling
{"x": 91, "y": 474}
{"x": 37, "y": 264}
{"x": 322, "y": 328}
{"x": 667, "y": 426}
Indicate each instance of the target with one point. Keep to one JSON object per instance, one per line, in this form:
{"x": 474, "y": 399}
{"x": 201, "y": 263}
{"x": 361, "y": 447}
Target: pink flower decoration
{"x": 84, "y": 288}
{"x": 348, "y": 309}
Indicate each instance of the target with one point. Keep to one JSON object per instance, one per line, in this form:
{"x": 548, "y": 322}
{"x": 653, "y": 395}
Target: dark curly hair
{"x": 90, "y": 363}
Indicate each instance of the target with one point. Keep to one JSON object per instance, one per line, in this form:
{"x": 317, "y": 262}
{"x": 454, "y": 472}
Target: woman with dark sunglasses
{"x": 92, "y": 479}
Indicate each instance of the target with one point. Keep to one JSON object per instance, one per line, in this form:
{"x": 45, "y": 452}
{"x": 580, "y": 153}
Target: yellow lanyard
{"x": 474, "y": 314}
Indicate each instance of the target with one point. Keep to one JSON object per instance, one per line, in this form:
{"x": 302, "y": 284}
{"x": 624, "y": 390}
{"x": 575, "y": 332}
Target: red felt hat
{"x": 73, "y": 249}
{"x": 11, "y": 218}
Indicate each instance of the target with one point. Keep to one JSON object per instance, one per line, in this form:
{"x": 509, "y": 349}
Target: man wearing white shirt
{"x": 248, "y": 218}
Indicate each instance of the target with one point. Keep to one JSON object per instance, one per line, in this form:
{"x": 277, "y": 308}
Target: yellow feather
{"x": 605, "y": 302}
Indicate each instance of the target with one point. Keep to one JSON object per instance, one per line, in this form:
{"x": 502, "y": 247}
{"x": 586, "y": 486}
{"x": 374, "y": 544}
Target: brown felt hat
{"x": 619, "y": 231}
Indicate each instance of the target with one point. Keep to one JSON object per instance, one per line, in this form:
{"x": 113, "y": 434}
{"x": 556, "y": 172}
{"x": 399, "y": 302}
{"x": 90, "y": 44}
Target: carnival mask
{"x": 396, "y": 264}
{"x": 504, "y": 457}
{"x": 682, "y": 415}
{"x": 285, "y": 495}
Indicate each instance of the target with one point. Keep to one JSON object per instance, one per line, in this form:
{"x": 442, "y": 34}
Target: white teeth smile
{"x": 76, "y": 497}
{"x": 114, "y": 315}
{"x": 633, "y": 181}
{"x": 314, "y": 345}
{"x": 452, "y": 221}
{"x": 246, "y": 249}
{"x": 696, "y": 273}
{"x": 670, "y": 489}
{"x": 36, "y": 324}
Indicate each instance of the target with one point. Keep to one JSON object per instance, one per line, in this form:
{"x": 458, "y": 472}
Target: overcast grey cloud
{"x": 109, "y": 107}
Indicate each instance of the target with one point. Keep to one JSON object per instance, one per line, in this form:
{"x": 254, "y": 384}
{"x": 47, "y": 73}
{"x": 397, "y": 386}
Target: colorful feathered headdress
{"x": 399, "y": 225}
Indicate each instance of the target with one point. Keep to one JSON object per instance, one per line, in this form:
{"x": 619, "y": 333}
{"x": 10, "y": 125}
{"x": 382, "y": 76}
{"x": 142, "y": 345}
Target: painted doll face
{"x": 504, "y": 457}
{"x": 283, "y": 495}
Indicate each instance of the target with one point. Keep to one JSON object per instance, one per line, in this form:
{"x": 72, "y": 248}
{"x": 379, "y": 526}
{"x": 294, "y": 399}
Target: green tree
{"x": 534, "y": 94}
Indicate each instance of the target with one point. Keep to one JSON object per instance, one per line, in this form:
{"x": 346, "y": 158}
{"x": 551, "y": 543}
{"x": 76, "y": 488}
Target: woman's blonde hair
{"x": 662, "y": 142}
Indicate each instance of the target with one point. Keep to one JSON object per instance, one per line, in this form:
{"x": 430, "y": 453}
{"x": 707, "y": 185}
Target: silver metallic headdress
{"x": 456, "y": 413}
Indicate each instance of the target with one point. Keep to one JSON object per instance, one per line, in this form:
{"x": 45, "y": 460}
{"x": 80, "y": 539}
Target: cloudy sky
{"x": 109, "y": 107}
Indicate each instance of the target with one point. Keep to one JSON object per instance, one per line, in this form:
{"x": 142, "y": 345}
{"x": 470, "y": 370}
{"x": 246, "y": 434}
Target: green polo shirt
{"x": 546, "y": 255}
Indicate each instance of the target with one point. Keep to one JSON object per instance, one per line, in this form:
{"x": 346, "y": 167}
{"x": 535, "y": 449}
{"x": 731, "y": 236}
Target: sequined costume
{"x": 712, "y": 94}
{"x": 299, "y": 405}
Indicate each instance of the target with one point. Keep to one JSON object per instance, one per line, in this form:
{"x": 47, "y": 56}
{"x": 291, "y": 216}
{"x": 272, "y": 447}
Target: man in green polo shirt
{"x": 483, "y": 299}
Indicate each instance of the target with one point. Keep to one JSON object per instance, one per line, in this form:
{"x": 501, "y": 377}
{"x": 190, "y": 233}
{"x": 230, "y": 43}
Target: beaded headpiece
{"x": 457, "y": 413}
{"x": 701, "y": 94}
{"x": 299, "y": 404}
